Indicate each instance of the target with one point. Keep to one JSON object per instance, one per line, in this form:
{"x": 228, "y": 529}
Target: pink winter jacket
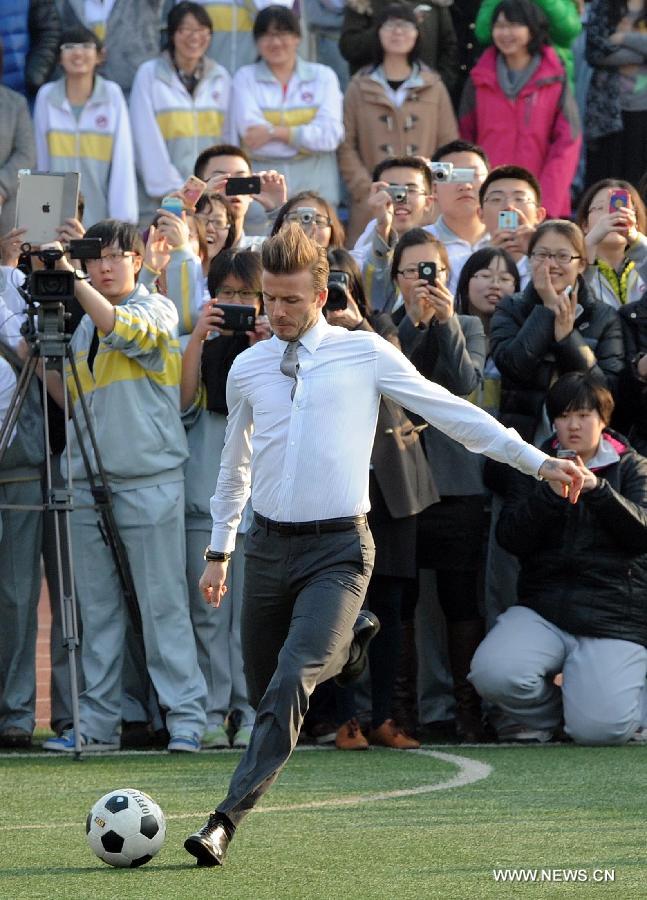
{"x": 539, "y": 129}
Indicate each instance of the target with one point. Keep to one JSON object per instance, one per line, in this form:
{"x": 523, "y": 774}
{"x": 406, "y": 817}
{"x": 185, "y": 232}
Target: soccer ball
{"x": 125, "y": 828}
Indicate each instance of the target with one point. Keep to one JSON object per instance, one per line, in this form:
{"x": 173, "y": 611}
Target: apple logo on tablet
{"x": 45, "y": 207}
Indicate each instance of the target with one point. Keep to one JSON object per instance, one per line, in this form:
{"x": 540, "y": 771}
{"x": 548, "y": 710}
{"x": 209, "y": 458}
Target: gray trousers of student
{"x": 301, "y": 598}
{"x": 603, "y": 693}
{"x": 217, "y": 631}
{"x": 19, "y": 590}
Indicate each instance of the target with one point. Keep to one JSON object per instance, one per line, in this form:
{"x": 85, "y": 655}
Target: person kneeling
{"x": 582, "y": 607}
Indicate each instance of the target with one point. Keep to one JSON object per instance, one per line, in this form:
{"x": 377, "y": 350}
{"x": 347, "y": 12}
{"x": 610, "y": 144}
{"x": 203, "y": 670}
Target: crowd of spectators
{"x": 477, "y": 172}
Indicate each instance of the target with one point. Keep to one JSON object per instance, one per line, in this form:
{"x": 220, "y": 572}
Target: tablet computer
{"x": 45, "y": 200}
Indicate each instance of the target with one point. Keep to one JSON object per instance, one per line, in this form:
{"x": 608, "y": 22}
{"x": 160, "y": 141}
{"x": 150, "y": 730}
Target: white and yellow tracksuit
{"x": 132, "y": 392}
{"x": 99, "y": 145}
{"x": 311, "y": 106}
{"x": 171, "y": 127}
{"x": 232, "y": 42}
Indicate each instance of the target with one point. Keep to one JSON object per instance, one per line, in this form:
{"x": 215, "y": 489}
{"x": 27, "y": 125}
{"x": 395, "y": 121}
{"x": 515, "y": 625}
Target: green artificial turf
{"x": 554, "y": 807}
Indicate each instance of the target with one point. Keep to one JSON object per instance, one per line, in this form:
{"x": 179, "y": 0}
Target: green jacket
{"x": 564, "y": 25}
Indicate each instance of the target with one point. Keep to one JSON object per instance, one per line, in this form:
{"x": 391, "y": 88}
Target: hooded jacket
{"x": 524, "y": 349}
{"x": 538, "y": 129}
{"x": 584, "y": 565}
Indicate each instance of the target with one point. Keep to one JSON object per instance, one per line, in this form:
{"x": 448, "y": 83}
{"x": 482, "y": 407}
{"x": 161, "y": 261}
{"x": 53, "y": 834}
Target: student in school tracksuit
{"x": 92, "y": 137}
{"x": 293, "y": 126}
{"x": 232, "y": 43}
{"x": 175, "y": 115}
{"x": 131, "y": 376}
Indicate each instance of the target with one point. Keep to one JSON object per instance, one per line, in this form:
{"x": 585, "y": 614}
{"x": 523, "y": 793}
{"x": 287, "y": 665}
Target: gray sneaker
{"x": 242, "y": 737}
{"x": 216, "y": 738}
{"x": 66, "y": 744}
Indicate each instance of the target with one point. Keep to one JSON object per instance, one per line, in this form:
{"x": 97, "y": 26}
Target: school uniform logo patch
{"x": 307, "y": 97}
{"x": 101, "y": 121}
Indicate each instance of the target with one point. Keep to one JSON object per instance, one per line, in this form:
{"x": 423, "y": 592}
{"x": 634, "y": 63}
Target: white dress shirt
{"x": 311, "y": 456}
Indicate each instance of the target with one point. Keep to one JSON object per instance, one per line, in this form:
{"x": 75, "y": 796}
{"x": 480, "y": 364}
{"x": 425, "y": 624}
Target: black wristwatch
{"x": 216, "y": 555}
{"x": 80, "y": 275}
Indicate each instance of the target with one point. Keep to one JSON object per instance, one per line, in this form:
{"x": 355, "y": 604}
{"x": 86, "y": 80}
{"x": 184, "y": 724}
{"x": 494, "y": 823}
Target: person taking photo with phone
{"x": 234, "y": 283}
{"x": 613, "y": 218}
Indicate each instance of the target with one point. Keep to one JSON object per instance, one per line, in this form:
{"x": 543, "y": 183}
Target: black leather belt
{"x": 323, "y": 526}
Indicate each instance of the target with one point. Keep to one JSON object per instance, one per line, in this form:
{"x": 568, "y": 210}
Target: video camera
{"x": 49, "y": 286}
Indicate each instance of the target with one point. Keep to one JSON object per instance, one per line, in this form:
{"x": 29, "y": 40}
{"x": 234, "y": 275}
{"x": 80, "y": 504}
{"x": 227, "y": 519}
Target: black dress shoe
{"x": 209, "y": 845}
{"x": 365, "y": 628}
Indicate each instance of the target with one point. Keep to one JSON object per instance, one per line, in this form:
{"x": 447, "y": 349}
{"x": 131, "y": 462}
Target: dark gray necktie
{"x": 290, "y": 364}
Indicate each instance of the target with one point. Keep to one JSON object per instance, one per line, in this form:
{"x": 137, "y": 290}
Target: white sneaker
{"x": 216, "y": 738}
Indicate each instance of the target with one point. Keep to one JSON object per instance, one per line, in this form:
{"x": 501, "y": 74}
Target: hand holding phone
{"x": 192, "y": 189}
{"x": 173, "y": 204}
{"x": 427, "y": 272}
{"x": 237, "y": 317}
{"x": 618, "y": 199}
{"x": 249, "y": 184}
{"x": 508, "y": 219}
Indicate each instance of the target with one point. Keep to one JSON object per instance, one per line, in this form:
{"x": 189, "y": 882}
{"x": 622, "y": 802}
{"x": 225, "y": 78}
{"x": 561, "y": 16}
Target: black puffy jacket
{"x": 523, "y": 345}
{"x": 583, "y": 566}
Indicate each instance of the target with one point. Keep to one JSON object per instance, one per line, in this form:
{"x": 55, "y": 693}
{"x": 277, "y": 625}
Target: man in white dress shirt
{"x": 306, "y": 403}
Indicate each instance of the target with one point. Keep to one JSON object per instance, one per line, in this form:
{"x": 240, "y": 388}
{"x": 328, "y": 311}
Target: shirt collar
{"x": 302, "y": 70}
{"x": 312, "y": 338}
{"x": 447, "y": 236}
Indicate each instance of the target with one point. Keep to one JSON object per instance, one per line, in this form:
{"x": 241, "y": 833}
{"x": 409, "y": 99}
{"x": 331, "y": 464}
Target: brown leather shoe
{"x": 389, "y": 735}
{"x": 350, "y": 737}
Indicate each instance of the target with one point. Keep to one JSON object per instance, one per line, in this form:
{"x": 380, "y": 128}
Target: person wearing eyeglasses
{"x": 179, "y": 105}
{"x": 612, "y": 215}
{"x": 315, "y": 215}
{"x": 552, "y": 327}
{"x": 130, "y": 364}
{"x": 396, "y": 106}
{"x": 512, "y": 189}
{"x": 234, "y": 278}
{"x": 449, "y": 350}
{"x": 81, "y": 125}
{"x": 287, "y": 113}
{"x": 128, "y": 29}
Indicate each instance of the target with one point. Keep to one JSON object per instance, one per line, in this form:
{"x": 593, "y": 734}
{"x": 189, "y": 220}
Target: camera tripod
{"x": 47, "y": 341}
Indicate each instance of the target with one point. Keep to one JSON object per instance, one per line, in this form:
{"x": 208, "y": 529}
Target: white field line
{"x": 469, "y": 772}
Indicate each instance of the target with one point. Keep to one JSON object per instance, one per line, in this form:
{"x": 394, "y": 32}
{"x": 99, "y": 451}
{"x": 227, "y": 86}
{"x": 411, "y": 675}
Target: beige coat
{"x": 376, "y": 128}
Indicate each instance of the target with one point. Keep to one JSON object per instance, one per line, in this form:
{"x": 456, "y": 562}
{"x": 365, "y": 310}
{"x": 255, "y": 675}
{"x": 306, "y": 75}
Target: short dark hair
{"x": 281, "y": 18}
{"x": 459, "y": 146}
{"x": 340, "y": 260}
{"x": 525, "y": 12}
{"x": 579, "y": 390}
{"x": 481, "y": 259}
{"x": 395, "y": 11}
{"x": 407, "y": 162}
{"x": 636, "y": 200}
{"x": 219, "y": 150}
{"x": 242, "y": 264}
{"x": 80, "y": 35}
{"x": 566, "y": 228}
{"x": 337, "y": 235}
{"x": 498, "y": 173}
{"x": 414, "y": 237}
{"x": 112, "y": 231}
{"x": 177, "y": 14}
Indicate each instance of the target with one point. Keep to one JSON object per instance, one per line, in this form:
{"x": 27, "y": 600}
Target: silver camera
{"x": 397, "y": 193}
{"x": 444, "y": 172}
{"x": 306, "y": 215}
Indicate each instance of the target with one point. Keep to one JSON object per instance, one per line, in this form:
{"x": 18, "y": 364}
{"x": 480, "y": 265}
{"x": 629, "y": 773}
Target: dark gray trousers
{"x": 301, "y": 597}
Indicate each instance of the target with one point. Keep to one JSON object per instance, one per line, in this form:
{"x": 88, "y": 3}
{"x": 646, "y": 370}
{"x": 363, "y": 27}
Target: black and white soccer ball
{"x": 125, "y": 828}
